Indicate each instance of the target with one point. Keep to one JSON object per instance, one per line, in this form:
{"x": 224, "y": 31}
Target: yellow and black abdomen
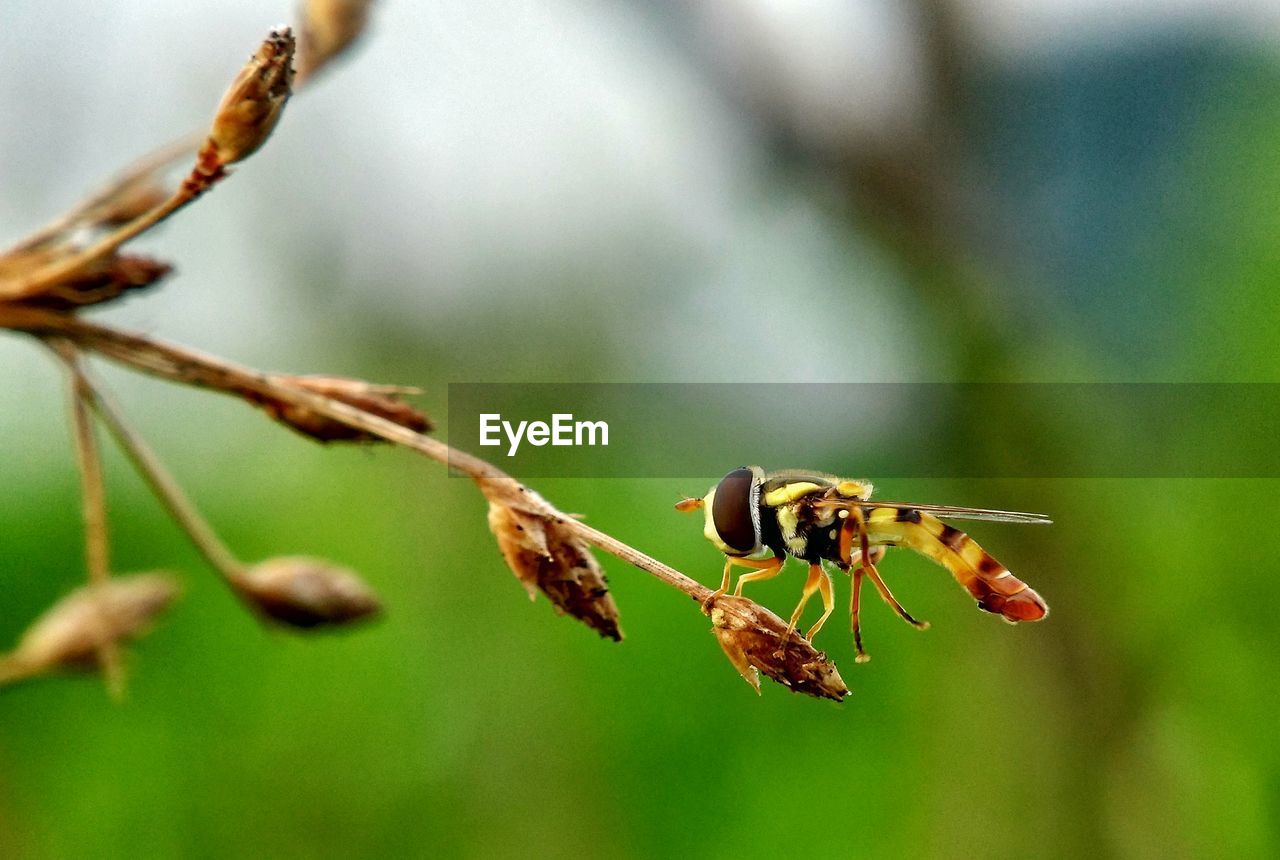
{"x": 991, "y": 584}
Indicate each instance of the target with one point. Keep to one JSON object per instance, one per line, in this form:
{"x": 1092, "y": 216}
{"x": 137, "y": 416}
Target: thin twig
{"x": 751, "y": 635}
{"x": 143, "y": 170}
{"x": 191, "y": 367}
{"x": 162, "y": 482}
{"x": 43, "y": 278}
{"x": 97, "y": 542}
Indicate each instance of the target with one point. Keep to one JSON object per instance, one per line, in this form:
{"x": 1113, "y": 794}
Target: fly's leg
{"x": 867, "y": 558}
{"x": 828, "y": 605}
{"x": 724, "y": 581}
{"x": 766, "y": 569}
{"x": 881, "y": 587}
{"x": 811, "y": 585}
{"x": 719, "y": 592}
{"x": 855, "y": 601}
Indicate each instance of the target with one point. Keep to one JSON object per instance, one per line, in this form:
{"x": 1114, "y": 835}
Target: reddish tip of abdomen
{"x": 1026, "y": 605}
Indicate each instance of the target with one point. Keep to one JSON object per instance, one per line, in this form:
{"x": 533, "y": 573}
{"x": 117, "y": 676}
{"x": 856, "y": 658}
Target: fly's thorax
{"x": 789, "y": 485}
{"x": 804, "y": 530}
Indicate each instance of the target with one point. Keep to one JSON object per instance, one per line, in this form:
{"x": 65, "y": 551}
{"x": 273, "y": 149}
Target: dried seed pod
{"x": 328, "y": 28}
{"x": 381, "y": 400}
{"x": 546, "y": 556}
{"x": 100, "y": 281}
{"x": 306, "y": 592}
{"x": 751, "y": 637}
{"x": 252, "y": 105}
{"x": 71, "y": 632}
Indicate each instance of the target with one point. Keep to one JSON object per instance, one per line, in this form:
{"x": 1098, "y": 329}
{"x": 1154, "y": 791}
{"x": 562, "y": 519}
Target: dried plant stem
{"x": 636, "y": 558}
{"x": 143, "y": 170}
{"x": 188, "y": 366}
{"x": 752, "y": 637}
{"x": 44, "y": 278}
{"x": 94, "y": 507}
{"x": 162, "y": 481}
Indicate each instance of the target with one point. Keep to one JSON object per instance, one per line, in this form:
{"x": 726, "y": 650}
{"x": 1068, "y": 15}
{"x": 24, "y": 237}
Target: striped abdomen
{"x": 995, "y": 588}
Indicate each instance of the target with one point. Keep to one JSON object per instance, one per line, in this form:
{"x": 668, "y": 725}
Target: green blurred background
{"x": 659, "y": 191}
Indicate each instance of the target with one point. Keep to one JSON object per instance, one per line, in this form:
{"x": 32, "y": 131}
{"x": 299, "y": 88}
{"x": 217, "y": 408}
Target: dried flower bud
{"x": 328, "y": 27}
{"x": 251, "y": 106}
{"x": 381, "y": 400}
{"x": 70, "y": 634}
{"x": 751, "y": 637}
{"x": 306, "y": 592}
{"x": 99, "y": 281}
{"x": 546, "y": 556}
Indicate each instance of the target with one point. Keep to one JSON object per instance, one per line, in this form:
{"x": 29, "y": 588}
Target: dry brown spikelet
{"x": 751, "y": 637}
{"x": 100, "y": 281}
{"x": 252, "y": 105}
{"x": 545, "y": 556}
{"x": 381, "y": 400}
{"x": 71, "y": 632}
{"x": 328, "y": 28}
{"x": 306, "y": 592}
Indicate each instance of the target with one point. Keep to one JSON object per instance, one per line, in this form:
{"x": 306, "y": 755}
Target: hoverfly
{"x": 758, "y": 518}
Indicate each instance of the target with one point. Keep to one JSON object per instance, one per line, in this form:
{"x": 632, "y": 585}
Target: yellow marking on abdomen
{"x": 994, "y": 587}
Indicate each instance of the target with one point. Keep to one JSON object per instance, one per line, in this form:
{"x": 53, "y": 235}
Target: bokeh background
{"x": 726, "y": 190}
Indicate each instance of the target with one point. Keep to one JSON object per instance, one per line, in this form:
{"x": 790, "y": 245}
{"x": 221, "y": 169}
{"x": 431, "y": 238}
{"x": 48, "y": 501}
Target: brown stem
{"x": 143, "y": 170}
{"x": 636, "y": 558}
{"x": 97, "y": 540}
{"x": 43, "y": 278}
{"x": 188, "y": 366}
{"x": 163, "y": 483}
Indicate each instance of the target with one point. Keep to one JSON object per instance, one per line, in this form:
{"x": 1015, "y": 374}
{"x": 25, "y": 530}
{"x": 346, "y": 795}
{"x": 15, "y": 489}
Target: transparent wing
{"x": 946, "y": 512}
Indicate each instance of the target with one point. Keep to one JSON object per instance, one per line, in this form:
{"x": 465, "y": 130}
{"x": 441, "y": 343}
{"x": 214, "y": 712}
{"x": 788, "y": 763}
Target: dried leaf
{"x": 306, "y": 593}
{"x": 381, "y": 400}
{"x": 751, "y": 637}
{"x": 71, "y": 632}
{"x": 546, "y": 556}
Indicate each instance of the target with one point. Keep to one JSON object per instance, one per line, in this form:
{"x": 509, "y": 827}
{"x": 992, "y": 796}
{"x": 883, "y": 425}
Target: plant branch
{"x": 48, "y": 276}
{"x": 191, "y": 367}
{"x": 94, "y": 507}
{"x": 755, "y": 639}
{"x": 142, "y": 171}
{"x": 160, "y": 479}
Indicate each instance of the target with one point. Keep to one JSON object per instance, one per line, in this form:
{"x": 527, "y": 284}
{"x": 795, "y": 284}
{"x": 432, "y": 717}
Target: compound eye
{"x": 733, "y": 511}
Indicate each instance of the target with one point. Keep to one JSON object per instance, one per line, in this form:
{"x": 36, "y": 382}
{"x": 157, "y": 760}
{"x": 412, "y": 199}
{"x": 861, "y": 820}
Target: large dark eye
{"x": 733, "y": 511}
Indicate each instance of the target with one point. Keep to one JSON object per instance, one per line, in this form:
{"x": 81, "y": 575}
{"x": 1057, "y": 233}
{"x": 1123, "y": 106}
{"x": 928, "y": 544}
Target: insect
{"x": 758, "y": 518}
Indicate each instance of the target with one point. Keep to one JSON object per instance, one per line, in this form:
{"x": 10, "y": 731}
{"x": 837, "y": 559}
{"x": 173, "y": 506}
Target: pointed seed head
{"x": 252, "y": 105}
{"x": 306, "y": 592}
{"x": 102, "y": 280}
{"x": 381, "y": 400}
{"x": 751, "y": 637}
{"x": 328, "y": 28}
{"x": 547, "y": 556}
{"x": 71, "y": 632}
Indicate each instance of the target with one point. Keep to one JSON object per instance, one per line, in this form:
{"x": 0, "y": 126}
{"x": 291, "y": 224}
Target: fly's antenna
{"x": 687, "y": 504}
